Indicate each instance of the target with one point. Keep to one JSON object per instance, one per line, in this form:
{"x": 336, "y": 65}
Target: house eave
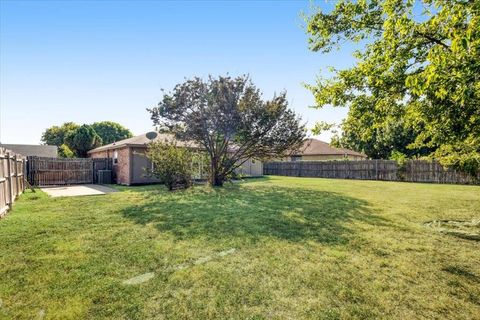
{"x": 126, "y": 145}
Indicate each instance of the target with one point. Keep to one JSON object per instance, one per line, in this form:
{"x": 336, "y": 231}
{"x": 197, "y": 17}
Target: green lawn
{"x": 273, "y": 248}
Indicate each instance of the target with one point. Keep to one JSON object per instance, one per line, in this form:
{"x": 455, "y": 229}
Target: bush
{"x": 171, "y": 164}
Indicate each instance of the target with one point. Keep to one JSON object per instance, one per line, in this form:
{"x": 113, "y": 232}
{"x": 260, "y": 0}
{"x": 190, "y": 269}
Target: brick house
{"x": 130, "y": 162}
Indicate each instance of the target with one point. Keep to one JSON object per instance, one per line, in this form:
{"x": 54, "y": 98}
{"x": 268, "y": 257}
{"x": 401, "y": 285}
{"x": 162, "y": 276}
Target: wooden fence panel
{"x": 44, "y": 171}
{"x": 365, "y": 170}
{"x": 12, "y": 184}
{"x": 427, "y": 171}
{"x": 387, "y": 170}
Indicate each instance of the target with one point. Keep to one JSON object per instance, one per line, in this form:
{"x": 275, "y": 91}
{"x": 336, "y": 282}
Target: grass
{"x": 273, "y": 248}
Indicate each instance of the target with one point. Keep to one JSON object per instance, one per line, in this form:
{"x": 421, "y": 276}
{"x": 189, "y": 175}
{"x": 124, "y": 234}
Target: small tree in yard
{"x": 171, "y": 164}
{"x": 229, "y": 119}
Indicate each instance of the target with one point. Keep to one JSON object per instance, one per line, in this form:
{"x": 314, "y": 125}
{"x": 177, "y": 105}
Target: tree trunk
{"x": 216, "y": 181}
{"x": 216, "y": 178}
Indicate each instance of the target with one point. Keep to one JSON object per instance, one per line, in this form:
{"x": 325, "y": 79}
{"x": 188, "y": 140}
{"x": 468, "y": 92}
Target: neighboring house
{"x": 130, "y": 162}
{"x": 314, "y": 149}
{"x": 32, "y": 150}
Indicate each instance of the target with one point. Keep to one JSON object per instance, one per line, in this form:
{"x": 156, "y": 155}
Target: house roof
{"x": 32, "y": 150}
{"x": 141, "y": 141}
{"x": 317, "y": 147}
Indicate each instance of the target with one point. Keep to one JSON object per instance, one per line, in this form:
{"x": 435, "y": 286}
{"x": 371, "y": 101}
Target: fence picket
{"x": 10, "y": 188}
{"x": 388, "y": 170}
{"x": 59, "y": 171}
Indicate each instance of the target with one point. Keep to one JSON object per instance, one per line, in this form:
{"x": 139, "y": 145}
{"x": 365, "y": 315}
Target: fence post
{"x": 9, "y": 180}
{"x": 93, "y": 170}
{"x": 29, "y": 170}
{"x": 17, "y": 182}
{"x": 32, "y": 171}
{"x": 345, "y": 164}
{"x": 24, "y": 173}
{"x": 411, "y": 172}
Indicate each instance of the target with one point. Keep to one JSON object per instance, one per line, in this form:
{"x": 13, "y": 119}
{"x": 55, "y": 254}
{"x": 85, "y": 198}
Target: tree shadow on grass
{"x": 252, "y": 213}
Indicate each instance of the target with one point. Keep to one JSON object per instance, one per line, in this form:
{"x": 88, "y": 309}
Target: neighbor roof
{"x": 141, "y": 141}
{"x": 318, "y": 147}
{"x": 32, "y": 150}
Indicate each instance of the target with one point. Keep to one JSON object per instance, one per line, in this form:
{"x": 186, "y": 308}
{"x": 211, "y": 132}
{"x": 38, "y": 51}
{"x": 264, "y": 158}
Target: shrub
{"x": 171, "y": 164}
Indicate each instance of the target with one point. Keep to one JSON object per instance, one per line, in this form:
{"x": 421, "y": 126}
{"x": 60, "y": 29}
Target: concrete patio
{"x": 77, "y": 190}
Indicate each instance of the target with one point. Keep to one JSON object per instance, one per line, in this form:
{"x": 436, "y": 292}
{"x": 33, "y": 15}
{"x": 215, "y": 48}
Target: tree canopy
{"x": 105, "y": 132}
{"x": 111, "y": 131}
{"x": 415, "y": 87}
{"x": 55, "y": 135}
{"x": 228, "y": 118}
{"x": 82, "y": 140}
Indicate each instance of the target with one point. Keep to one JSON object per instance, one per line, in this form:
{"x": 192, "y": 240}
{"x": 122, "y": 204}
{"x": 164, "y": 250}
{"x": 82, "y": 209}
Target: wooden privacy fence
{"x": 12, "y": 178}
{"x": 42, "y": 171}
{"x": 388, "y": 170}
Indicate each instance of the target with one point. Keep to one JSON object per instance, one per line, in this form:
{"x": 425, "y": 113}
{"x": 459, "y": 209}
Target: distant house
{"x": 314, "y": 149}
{"x": 130, "y": 162}
{"x": 32, "y": 150}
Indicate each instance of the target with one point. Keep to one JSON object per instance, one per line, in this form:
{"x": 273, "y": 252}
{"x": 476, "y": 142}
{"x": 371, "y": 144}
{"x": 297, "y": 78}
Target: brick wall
{"x": 100, "y": 154}
{"x": 121, "y": 169}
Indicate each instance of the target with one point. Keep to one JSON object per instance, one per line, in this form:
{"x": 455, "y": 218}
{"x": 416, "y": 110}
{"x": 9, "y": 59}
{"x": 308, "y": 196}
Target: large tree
{"x": 111, "y": 131}
{"x": 82, "y": 140}
{"x": 415, "y": 86}
{"x": 55, "y": 135}
{"x": 108, "y": 132}
{"x": 228, "y": 118}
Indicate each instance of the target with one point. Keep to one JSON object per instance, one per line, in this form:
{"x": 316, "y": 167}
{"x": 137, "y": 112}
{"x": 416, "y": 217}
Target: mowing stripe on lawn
{"x": 149, "y": 275}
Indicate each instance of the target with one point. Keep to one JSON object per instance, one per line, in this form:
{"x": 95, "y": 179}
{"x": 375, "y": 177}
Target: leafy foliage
{"x": 415, "y": 88}
{"x": 171, "y": 164}
{"x": 65, "y": 152}
{"x": 105, "y": 132}
{"x": 229, "y": 119}
{"x": 55, "y": 135}
{"x": 111, "y": 131}
{"x": 321, "y": 126}
{"x": 83, "y": 139}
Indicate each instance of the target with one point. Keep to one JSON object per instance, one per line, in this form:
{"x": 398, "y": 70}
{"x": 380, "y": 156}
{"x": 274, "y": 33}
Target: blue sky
{"x": 92, "y": 61}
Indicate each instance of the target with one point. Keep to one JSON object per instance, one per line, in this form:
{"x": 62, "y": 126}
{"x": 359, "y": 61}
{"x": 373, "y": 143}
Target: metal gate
{"x": 42, "y": 171}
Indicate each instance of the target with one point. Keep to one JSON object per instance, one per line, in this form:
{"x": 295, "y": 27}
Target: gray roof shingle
{"x": 32, "y": 149}
{"x": 141, "y": 141}
{"x": 318, "y": 147}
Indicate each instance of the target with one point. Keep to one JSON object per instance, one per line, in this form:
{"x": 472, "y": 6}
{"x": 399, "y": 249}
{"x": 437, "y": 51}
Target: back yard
{"x": 271, "y": 248}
